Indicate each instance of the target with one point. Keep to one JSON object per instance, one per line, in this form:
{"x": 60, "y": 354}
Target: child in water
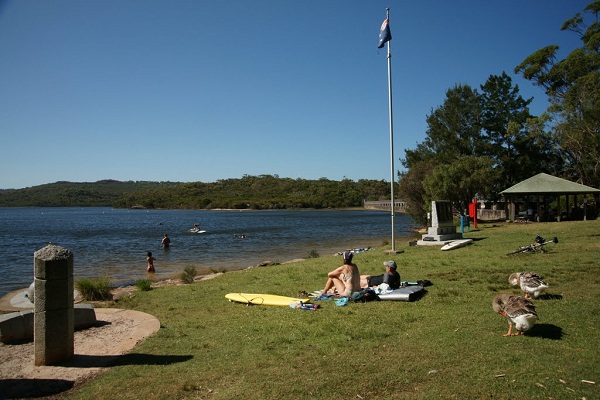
{"x": 150, "y": 261}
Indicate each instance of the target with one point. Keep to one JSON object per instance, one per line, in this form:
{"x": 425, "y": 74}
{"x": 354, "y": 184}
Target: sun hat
{"x": 391, "y": 264}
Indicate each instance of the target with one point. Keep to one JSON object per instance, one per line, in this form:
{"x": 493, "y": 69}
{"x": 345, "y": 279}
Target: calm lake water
{"x": 113, "y": 243}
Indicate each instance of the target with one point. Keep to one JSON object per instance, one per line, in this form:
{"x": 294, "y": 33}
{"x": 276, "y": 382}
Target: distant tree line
{"x": 261, "y": 193}
{"x": 249, "y": 192}
{"x": 480, "y": 142}
{"x": 105, "y": 193}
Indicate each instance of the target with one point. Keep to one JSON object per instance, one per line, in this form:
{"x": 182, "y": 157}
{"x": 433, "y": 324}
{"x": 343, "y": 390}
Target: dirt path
{"x": 116, "y": 333}
{"x": 98, "y": 348}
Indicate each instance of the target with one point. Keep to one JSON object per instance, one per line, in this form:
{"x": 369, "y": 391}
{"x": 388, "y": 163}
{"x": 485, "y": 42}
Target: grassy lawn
{"x": 448, "y": 344}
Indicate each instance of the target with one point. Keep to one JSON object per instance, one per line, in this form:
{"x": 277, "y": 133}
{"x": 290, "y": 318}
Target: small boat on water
{"x": 196, "y": 229}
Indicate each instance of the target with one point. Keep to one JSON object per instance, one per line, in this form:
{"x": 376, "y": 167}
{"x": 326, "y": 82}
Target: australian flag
{"x": 385, "y": 35}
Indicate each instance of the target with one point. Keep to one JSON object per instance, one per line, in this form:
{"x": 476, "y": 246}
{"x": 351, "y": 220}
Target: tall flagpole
{"x": 389, "y": 62}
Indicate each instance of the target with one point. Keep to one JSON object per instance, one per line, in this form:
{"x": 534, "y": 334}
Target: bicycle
{"x": 539, "y": 244}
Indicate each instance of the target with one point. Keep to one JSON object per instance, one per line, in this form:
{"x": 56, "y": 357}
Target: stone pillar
{"x": 53, "y": 320}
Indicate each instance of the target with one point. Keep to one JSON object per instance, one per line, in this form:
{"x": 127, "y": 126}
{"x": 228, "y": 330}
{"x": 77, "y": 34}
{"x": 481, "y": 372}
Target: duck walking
{"x": 531, "y": 283}
{"x": 517, "y": 310}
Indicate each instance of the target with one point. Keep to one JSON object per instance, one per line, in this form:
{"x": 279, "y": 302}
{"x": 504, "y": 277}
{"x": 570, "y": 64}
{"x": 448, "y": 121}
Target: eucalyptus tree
{"x": 504, "y": 116}
{"x": 492, "y": 127}
{"x": 573, "y": 87}
{"x": 454, "y": 129}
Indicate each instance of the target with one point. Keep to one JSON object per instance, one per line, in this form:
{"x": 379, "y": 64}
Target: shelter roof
{"x": 546, "y": 184}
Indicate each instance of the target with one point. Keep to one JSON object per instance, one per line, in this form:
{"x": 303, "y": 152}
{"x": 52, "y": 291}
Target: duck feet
{"x": 513, "y": 334}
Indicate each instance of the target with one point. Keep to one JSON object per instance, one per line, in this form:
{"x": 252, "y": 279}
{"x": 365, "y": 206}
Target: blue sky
{"x": 207, "y": 90}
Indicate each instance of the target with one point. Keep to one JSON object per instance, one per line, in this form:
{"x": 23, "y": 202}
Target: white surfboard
{"x": 455, "y": 244}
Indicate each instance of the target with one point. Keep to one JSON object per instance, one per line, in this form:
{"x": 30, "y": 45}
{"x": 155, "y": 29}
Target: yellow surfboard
{"x": 264, "y": 299}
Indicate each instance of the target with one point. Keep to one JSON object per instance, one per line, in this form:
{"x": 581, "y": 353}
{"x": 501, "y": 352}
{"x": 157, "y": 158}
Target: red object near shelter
{"x": 473, "y": 213}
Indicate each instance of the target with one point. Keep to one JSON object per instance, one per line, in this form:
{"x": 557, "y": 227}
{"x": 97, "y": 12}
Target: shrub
{"x": 313, "y": 254}
{"x": 203, "y": 270}
{"x": 97, "y": 289}
{"x": 144, "y": 285}
{"x": 188, "y": 275}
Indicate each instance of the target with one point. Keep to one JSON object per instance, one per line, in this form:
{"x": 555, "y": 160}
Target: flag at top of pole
{"x": 385, "y": 35}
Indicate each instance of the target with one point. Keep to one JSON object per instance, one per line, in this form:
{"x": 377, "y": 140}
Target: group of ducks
{"x": 519, "y": 311}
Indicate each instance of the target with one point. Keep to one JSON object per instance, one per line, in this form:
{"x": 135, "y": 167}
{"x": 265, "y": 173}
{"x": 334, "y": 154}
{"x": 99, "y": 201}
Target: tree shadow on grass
{"x": 91, "y": 361}
{"x": 35, "y": 388}
{"x": 32, "y": 388}
{"x": 546, "y": 331}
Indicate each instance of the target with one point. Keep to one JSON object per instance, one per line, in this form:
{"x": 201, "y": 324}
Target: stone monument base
{"x": 439, "y": 240}
{"x": 442, "y": 229}
{"x": 439, "y": 236}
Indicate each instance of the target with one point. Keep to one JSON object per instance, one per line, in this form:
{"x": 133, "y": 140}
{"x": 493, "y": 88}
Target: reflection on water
{"x": 113, "y": 242}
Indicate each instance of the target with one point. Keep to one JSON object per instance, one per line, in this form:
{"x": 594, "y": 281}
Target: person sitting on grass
{"x": 345, "y": 279}
{"x": 391, "y": 277}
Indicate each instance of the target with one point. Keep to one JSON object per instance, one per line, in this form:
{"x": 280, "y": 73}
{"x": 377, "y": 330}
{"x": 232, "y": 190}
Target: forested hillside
{"x": 248, "y": 192}
{"x": 74, "y": 194}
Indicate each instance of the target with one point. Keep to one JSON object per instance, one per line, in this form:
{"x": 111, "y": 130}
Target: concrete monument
{"x": 442, "y": 227}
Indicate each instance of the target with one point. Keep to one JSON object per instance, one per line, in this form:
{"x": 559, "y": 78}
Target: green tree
{"x": 460, "y": 180}
{"x": 572, "y": 85}
{"x": 412, "y": 191}
{"x": 504, "y": 117}
{"x": 453, "y": 133}
{"x": 454, "y": 129}
{"x": 540, "y": 151}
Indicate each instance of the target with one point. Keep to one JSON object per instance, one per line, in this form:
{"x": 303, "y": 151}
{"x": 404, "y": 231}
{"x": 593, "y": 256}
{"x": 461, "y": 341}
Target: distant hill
{"x": 73, "y": 194}
{"x": 248, "y": 192}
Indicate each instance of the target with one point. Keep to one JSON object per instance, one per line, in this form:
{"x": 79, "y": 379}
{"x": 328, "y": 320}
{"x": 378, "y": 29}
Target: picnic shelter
{"x": 540, "y": 190}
